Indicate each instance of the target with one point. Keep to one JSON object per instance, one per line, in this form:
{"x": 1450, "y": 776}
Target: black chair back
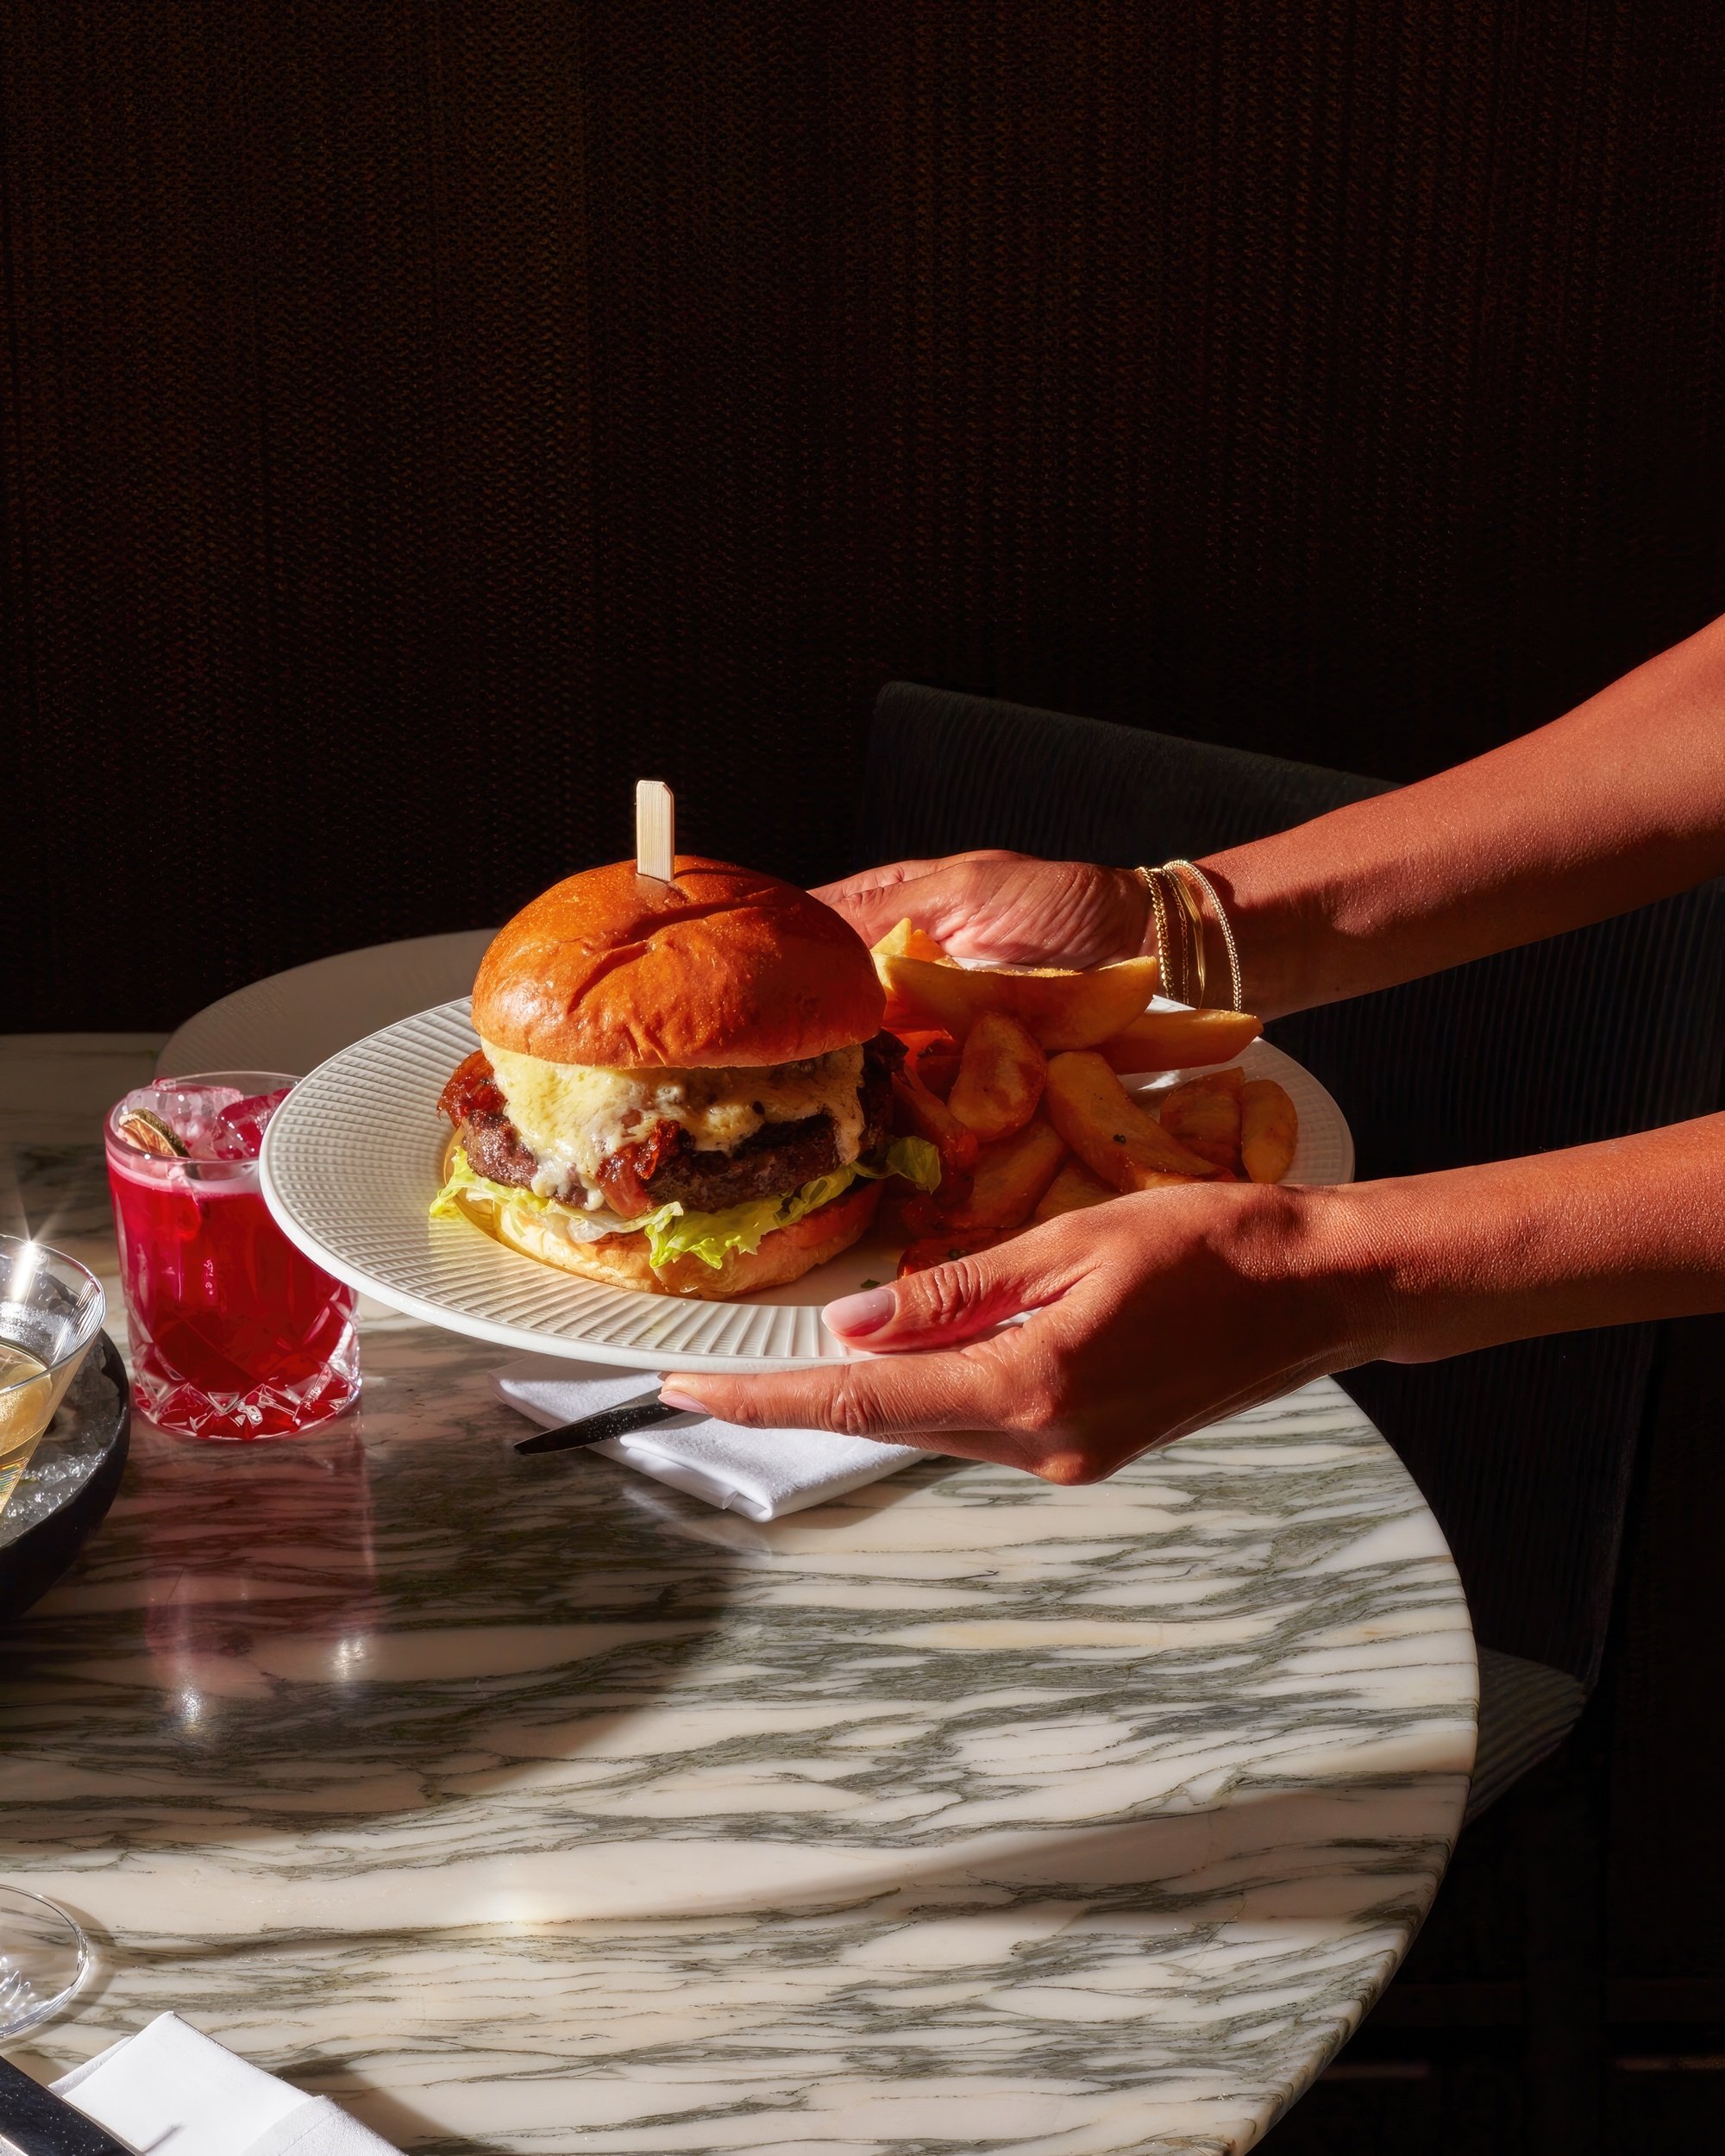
{"x": 1524, "y": 1451}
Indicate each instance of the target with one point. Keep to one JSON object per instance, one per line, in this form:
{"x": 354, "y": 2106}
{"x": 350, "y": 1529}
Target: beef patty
{"x": 665, "y": 1165}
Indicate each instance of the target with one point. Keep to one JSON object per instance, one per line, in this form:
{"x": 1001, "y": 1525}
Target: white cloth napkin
{"x": 762, "y": 1474}
{"x": 171, "y": 2091}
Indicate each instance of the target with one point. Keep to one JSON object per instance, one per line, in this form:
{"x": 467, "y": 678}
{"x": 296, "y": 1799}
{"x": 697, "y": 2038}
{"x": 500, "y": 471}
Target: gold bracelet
{"x": 1174, "y": 906}
{"x": 1179, "y": 935}
{"x": 1158, "y": 925}
{"x": 1181, "y": 870}
{"x": 1159, "y": 915}
{"x": 1191, "y": 935}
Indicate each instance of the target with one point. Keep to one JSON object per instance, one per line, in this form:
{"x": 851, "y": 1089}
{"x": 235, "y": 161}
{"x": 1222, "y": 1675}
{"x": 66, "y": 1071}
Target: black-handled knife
{"x": 39, "y": 2124}
{"x": 609, "y": 1422}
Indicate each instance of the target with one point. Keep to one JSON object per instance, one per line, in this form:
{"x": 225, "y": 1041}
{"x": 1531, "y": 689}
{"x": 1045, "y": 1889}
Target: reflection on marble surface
{"x": 526, "y": 1805}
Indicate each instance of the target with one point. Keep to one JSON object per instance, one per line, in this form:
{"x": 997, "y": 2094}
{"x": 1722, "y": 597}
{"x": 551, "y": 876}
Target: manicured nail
{"x": 866, "y": 1312}
{"x": 673, "y": 1398}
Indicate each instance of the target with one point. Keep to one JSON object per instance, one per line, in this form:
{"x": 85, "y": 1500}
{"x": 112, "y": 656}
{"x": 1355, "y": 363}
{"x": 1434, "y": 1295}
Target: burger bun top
{"x": 718, "y": 969}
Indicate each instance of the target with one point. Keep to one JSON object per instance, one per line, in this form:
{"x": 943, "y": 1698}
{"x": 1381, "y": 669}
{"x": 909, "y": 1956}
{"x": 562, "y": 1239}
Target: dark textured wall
{"x": 422, "y": 418}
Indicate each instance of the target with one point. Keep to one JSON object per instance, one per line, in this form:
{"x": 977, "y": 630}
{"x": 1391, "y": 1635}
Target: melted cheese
{"x": 573, "y": 1116}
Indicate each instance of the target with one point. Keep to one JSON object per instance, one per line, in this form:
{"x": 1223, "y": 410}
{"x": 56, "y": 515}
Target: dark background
{"x": 423, "y": 419}
{"x": 420, "y": 420}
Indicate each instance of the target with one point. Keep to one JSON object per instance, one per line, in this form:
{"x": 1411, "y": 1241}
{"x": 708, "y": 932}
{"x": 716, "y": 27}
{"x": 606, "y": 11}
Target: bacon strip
{"x": 624, "y": 1176}
{"x": 472, "y": 1090}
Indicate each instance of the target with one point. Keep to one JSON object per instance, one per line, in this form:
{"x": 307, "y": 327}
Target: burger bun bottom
{"x": 620, "y": 1261}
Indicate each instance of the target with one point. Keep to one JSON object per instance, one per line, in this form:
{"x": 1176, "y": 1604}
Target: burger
{"x": 681, "y": 1087}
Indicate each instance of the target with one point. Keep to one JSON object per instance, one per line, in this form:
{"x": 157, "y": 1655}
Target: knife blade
{"x": 37, "y": 2123}
{"x": 608, "y": 1422}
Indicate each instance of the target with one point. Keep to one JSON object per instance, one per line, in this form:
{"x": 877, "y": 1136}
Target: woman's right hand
{"x": 1149, "y": 1317}
{"x": 1003, "y": 909}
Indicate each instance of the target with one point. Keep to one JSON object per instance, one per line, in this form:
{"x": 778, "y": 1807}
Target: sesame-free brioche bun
{"x": 620, "y": 1261}
{"x": 719, "y": 967}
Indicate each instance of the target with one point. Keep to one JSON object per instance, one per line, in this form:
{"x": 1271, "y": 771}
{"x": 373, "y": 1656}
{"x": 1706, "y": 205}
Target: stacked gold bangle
{"x": 1177, "y": 892}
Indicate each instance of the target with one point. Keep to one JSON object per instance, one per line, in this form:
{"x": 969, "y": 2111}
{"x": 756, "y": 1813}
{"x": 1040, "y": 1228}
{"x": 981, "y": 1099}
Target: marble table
{"x": 525, "y": 1805}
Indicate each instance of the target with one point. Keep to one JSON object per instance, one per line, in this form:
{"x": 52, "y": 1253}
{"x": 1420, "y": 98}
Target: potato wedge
{"x": 1010, "y": 1176}
{"x": 1176, "y": 1040}
{"x": 1001, "y": 1073}
{"x": 1058, "y": 1010}
{"x": 931, "y": 1059}
{"x": 1204, "y": 1116}
{"x": 1114, "y": 1137}
{"x": 906, "y": 941}
{"x": 1073, "y": 1190}
{"x": 938, "y": 1069}
{"x": 929, "y": 1251}
{"x": 933, "y": 1119}
{"x": 1269, "y": 1130}
{"x": 904, "y": 1214}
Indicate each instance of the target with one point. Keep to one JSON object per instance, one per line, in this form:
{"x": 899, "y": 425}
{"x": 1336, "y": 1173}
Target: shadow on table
{"x": 322, "y": 1630}
{"x": 318, "y": 1636}
{"x": 332, "y": 1630}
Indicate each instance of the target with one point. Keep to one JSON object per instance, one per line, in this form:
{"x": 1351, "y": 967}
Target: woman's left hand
{"x": 1150, "y": 1316}
{"x": 1003, "y": 909}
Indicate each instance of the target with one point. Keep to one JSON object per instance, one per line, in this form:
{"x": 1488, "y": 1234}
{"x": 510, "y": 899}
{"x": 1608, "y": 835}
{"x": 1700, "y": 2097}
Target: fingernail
{"x": 673, "y": 1398}
{"x": 866, "y": 1312}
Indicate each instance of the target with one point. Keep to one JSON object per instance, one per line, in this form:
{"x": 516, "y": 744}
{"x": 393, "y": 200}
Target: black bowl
{"x": 71, "y": 1481}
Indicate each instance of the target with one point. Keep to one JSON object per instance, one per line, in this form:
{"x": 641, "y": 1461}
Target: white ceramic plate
{"x": 350, "y": 1165}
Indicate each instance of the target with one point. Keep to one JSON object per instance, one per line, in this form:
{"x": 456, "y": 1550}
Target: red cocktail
{"x": 235, "y": 1333}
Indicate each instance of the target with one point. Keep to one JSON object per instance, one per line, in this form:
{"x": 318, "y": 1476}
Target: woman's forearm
{"x": 1621, "y": 802}
{"x": 1428, "y": 1266}
{"x": 1163, "y": 1312}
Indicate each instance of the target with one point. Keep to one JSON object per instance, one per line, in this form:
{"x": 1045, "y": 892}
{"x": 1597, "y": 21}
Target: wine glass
{"x": 44, "y": 1957}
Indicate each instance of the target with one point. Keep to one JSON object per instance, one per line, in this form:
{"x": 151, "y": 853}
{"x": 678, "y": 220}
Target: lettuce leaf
{"x": 916, "y": 1160}
{"x": 582, "y": 1227}
{"x": 671, "y": 1231}
{"x": 711, "y": 1237}
{"x": 464, "y": 1176}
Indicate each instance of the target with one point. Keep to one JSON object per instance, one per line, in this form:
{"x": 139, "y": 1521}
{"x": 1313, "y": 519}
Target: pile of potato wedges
{"x": 1013, "y": 1074}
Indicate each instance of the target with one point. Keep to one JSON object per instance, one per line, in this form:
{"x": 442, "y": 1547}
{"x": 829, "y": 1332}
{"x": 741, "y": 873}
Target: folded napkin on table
{"x": 762, "y": 1474}
{"x": 170, "y": 2091}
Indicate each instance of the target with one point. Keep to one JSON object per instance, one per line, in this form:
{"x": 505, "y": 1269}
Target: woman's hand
{"x": 1004, "y": 909}
{"x": 1150, "y": 1316}
{"x": 1155, "y": 1315}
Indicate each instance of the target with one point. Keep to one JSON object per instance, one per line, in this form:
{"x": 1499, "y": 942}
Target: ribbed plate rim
{"x": 450, "y": 1274}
